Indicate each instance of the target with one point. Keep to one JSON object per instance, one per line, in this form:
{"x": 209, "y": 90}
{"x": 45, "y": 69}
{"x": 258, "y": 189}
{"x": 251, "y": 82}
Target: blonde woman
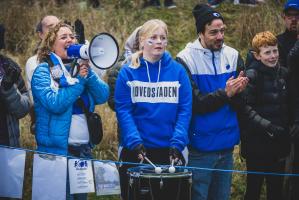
{"x": 153, "y": 103}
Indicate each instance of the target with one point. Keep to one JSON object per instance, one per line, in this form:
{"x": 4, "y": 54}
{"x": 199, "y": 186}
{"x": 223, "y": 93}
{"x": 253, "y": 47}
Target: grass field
{"x": 120, "y": 18}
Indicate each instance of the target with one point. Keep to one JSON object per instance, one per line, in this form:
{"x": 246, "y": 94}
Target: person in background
{"x": 265, "y": 141}
{"x": 156, "y": 3}
{"x": 293, "y": 63}
{"x": 59, "y": 97}
{"x": 14, "y": 98}
{"x": 42, "y": 28}
{"x": 131, "y": 46}
{"x": 213, "y": 69}
{"x": 145, "y": 129}
{"x": 287, "y": 39}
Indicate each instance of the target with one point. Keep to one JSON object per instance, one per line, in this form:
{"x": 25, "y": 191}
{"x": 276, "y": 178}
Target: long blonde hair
{"x": 48, "y": 42}
{"x": 147, "y": 29}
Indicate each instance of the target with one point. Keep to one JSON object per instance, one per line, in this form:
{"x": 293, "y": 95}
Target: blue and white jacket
{"x": 54, "y": 106}
{"x": 214, "y": 125}
{"x": 154, "y": 104}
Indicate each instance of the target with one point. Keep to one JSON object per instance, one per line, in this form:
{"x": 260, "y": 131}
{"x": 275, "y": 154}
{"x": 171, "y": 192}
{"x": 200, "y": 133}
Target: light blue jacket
{"x": 53, "y": 106}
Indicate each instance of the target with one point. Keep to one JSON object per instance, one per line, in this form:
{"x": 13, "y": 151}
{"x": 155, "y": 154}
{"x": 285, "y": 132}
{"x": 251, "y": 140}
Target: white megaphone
{"x": 102, "y": 51}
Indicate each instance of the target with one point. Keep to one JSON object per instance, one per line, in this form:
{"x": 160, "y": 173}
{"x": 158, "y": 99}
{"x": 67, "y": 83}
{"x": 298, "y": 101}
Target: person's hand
{"x": 83, "y": 68}
{"x": 141, "y": 151}
{"x": 243, "y": 81}
{"x": 275, "y": 131}
{"x": 175, "y": 155}
{"x": 11, "y": 76}
{"x": 79, "y": 29}
{"x": 237, "y": 85}
{"x": 294, "y": 132}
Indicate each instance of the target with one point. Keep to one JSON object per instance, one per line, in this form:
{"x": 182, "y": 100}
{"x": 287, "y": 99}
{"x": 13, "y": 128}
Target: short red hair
{"x": 263, "y": 39}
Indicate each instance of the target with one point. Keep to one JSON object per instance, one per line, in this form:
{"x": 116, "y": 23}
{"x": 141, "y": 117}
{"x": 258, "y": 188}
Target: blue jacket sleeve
{"x": 98, "y": 89}
{"x": 55, "y": 101}
{"x": 124, "y": 107}
{"x": 180, "y": 136}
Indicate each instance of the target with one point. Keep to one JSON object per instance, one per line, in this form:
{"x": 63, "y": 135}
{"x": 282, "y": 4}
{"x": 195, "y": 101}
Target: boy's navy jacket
{"x": 153, "y": 104}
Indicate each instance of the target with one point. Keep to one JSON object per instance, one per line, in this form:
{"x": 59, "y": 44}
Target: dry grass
{"x": 120, "y": 17}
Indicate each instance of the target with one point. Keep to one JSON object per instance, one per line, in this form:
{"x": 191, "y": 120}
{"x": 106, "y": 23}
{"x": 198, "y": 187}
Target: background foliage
{"x": 120, "y": 18}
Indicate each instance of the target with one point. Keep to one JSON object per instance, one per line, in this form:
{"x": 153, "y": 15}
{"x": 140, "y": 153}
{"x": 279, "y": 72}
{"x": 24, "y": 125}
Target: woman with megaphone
{"x": 153, "y": 102}
{"x": 61, "y": 125}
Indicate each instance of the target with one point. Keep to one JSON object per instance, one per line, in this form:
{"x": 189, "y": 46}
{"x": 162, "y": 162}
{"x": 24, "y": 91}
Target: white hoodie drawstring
{"x": 147, "y": 70}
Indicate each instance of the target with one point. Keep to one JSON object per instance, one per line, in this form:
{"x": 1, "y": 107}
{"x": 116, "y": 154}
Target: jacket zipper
{"x": 213, "y": 61}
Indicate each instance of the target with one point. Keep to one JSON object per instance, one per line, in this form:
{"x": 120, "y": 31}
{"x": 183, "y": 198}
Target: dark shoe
{"x": 151, "y": 4}
{"x": 251, "y": 3}
{"x": 214, "y": 3}
{"x": 169, "y": 5}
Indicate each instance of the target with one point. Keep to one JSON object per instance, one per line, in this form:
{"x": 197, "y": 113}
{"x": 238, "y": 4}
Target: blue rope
{"x": 138, "y": 164}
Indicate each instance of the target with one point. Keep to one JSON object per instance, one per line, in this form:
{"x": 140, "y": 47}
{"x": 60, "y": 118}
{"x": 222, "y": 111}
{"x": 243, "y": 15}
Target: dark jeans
{"x": 255, "y": 181}
{"x": 157, "y": 156}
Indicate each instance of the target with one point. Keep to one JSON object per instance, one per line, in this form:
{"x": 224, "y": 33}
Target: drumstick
{"x": 171, "y": 169}
{"x": 150, "y": 162}
{"x": 158, "y": 170}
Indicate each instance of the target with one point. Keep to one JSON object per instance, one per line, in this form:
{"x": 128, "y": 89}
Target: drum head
{"x": 149, "y": 172}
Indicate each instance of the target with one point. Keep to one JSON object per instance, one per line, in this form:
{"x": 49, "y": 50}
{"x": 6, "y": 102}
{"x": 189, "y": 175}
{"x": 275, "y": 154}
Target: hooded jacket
{"x": 214, "y": 125}
{"x": 153, "y": 105}
{"x": 54, "y": 106}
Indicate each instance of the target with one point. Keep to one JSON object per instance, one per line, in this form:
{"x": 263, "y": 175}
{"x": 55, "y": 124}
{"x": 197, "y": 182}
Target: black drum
{"x": 145, "y": 184}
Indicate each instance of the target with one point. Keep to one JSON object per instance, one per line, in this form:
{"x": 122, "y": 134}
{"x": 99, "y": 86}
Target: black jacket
{"x": 16, "y": 105}
{"x": 266, "y": 99}
{"x": 293, "y": 63}
{"x": 286, "y": 41}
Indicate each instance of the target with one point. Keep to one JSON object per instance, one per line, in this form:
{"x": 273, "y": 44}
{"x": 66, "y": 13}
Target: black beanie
{"x": 204, "y": 14}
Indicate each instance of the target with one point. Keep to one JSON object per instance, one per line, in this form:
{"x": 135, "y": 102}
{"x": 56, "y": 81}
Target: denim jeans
{"x": 208, "y": 184}
{"x": 82, "y": 151}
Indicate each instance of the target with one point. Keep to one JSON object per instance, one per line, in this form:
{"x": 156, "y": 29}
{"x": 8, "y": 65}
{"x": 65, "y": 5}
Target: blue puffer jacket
{"x": 53, "y": 106}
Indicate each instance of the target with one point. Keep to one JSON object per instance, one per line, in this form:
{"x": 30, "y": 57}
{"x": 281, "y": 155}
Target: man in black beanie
{"x": 213, "y": 68}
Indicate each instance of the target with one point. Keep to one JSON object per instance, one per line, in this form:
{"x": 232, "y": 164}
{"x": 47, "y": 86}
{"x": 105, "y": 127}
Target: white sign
{"x": 81, "y": 176}
{"x": 49, "y": 177}
{"x": 106, "y": 178}
{"x": 12, "y": 165}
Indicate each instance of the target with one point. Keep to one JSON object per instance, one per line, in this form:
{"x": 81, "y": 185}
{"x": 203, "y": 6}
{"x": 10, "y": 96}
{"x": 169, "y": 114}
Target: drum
{"x": 145, "y": 184}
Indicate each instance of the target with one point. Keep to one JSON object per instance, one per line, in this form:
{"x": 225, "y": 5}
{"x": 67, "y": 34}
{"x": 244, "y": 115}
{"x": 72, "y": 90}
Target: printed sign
{"x": 106, "y": 178}
{"x": 81, "y": 176}
{"x": 160, "y": 92}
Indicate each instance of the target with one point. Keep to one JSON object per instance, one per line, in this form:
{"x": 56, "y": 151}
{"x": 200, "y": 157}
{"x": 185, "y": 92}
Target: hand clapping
{"x": 236, "y": 85}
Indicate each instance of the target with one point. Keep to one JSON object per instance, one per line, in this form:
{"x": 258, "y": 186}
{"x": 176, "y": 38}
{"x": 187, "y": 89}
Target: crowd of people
{"x": 191, "y": 110}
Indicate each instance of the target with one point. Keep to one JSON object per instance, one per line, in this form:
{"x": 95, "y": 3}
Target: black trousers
{"x": 157, "y": 156}
{"x": 295, "y": 179}
{"x": 165, "y": 1}
{"x": 274, "y": 183}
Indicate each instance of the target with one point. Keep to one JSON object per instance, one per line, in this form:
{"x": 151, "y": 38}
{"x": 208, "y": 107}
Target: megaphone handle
{"x": 77, "y": 67}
